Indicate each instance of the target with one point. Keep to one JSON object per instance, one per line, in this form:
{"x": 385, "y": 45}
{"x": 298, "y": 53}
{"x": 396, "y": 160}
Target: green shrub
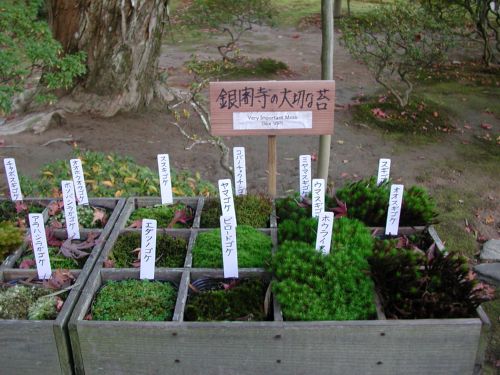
{"x": 252, "y": 210}
{"x": 254, "y": 248}
{"x": 337, "y": 286}
{"x": 170, "y": 252}
{"x": 245, "y": 301}
{"x": 135, "y": 300}
{"x": 112, "y": 176}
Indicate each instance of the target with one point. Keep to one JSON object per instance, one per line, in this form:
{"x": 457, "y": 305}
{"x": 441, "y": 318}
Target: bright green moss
{"x": 163, "y": 214}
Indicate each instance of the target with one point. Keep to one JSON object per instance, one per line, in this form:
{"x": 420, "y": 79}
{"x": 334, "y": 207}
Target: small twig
{"x": 360, "y": 124}
{"x": 61, "y": 140}
{"x": 5, "y": 146}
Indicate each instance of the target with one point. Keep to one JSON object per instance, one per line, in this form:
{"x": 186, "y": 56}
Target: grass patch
{"x": 492, "y": 309}
{"x": 265, "y": 68}
{"x": 483, "y": 152}
{"x": 418, "y": 117}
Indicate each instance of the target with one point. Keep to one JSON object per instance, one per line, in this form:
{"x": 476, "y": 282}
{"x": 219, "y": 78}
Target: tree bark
{"x": 337, "y": 8}
{"x": 122, "y": 39}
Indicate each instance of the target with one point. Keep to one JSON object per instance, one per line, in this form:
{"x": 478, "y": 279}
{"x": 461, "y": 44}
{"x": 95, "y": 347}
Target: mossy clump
{"x": 9, "y": 212}
{"x": 135, "y": 300}
{"x": 11, "y": 238}
{"x": 302, "y": 230}
{"x": 170, "y": 251}
{"x": 252, "y": 210}
{"x": 291, "y": 208}
{"x": 313, "y": 287}
{"x": 23, "y": 302}
{"x": 254, "y": 248}
{"x": 163, "y": 214}
{"x": 87, "y": 217}
{"x": 57, "y": 259}
{"x": 245, "y": 301}
{"x": 424, "y": 284}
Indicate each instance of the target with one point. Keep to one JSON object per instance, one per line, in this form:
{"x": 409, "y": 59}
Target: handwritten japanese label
{"x": 305, "y": 175}
{"x": 148, "y": 249}
{"x": 272, "y": 120}
{"x": 165, "y": 179}
{"x": 394, "y": 212}
{"x": 240, "y": 173}
{"x": 318, "y": 196}
{"x": 13, "y": 179}
{"x": 324, "y": 233}
{"x": 384, "y": 169}
{"x": 39, "y": 242}
{"x": 70, "y": 213}
{"x": 229, "y": 248}
{"x": 79, "y": 181}
{"x": 226, "y": 199}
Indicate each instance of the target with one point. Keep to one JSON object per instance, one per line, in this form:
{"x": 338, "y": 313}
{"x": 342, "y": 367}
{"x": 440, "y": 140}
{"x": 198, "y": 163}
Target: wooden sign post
{"x": 272, "y": 108}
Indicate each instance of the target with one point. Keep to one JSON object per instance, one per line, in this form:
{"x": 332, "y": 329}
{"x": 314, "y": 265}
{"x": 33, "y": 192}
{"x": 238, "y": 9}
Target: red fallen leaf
{"x": 355, "y": 176}
{"x": 435, "y": 114}
{"x": 60, "y": 304}
{"x": 88, "y": 317}
{"x": 109, "y": 263}
{"x": 468, "y": 127}
{"x": 296, "y": 36}
{"x": 491, "y": 198}
{"x": 454, "y": 181}
{"x": 136, "y": 224}
{"x": 486, "y": 126}
{"x": 431, "y": 254}
{"x": 19, "y": 206}
{"x": 56, "y": 224}
{"x": 52, "y": 240}
{"x": 314, "y": 156}
{"x": 60, "y": 279}
{"x": 399, "y": 180}
{"x": 26, "y": 263}
{"x": 21, "y": 222}
{"x": 184, "y": 83}
{"x": 482, "y": 239}
{"x": 341, "y": 210}
{"x": 231, "y": 285}
{"x": 99, "y": 216}
{"x": 55, "y": 208}
{"x": 379, "y": 113}
{"x": 135, "y": 264}
{"x": 345, "y": 175}
{"x": 465, "y": 143}
{"x": 421, "y": 157}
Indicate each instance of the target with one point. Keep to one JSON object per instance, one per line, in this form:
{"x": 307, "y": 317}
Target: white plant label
{"x": 384, "y": 169}
{"x": 40, "y": 249}
{"x": 148, "y": 249}
{"x": 272, "y": 120}
{"x": 318, "y": 196}
{"x": 79, "y": 181}
{"x": 305, "y": 175}
{"x": 324, "y": 234}
{"x": 13, "y": 179}
{"x": 394, "y": 212}
{"x": 240, "y": 172}
{"x": 226, "y": 199}
{"x": 165, "y": 179}
{"x": 70, "y": 213}
{"x": 229, "y": 248}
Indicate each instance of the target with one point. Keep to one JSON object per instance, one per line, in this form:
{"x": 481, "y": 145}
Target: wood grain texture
{"x": 222, "y": 116}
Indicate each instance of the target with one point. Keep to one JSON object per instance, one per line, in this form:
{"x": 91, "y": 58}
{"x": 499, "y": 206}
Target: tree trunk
{"x": 122, "y": 39}
{"x": 337, "y": 8}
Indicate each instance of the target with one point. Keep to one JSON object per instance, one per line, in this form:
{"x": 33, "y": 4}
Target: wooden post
{"x": 271, "y": 145}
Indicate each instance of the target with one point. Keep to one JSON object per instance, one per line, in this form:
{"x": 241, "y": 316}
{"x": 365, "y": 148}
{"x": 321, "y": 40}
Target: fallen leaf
{"x": 491, "y": 198}
{"x": 60, "y": 304}
{"x": 26, "y": 263}
{"x": 355, "y": 175}
{"x": 490, "y": 220}
{"x": 136, "y": 224}
{"x": 19, "y": 206}
{"x": 486, "y": 126}
{"x": 435, "y": 114}
{"x": 468, "y": 127}
{"x": 399, "y": 180}
{"x": 99, "y": 216}
{"x": 109, "y": 263}
{"x": 345, "y": 161}
{"x": 296, "y": 36}
{"x": 345, "y": 175}
{"x": 460, "y": 201}
{"x": 454, "y": 181}
{"x": 465, "y": 143}
{"x": 340, "y": 142}
{"x": 379, "y": 113}
{"x": 421, "y": 157}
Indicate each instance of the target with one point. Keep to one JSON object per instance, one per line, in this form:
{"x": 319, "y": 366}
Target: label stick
{"x": 70, "y": 213}
{"x": 226, "y": 199}
{"x": 394, "y": 212}
{"x": 324, "y": 234}
{"x": 318, "y": 196}
{"x": 148, "y": 249}
{"x": 40, "y": 249}
{"x": 305, "y": 175}
{"x": 240, "y": 172}
{"x": 165, "y": 179}
{"x": 13, "y": 179}
{"x": 384, "y": 169}
{"x": 229, "y": 248}
{"x": 79, "y": 181}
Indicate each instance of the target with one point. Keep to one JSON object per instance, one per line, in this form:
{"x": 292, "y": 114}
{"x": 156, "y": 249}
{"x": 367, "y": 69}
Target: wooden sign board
{"x": 272, "y": 108}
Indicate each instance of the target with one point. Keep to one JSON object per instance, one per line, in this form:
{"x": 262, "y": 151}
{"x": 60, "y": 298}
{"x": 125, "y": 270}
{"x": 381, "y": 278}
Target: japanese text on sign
{"x": 261, "y": 98}
{"x": 384, "y": 168}
{"x": 318, "y": 196}
{"x": 165, "y": 179}
{"x": 39, "y": 242}
{"x": 305, "y": 175}
{"x": 240, "y": 173}
{"x": 70, "y": 213}
{"x": 79, "y": 181}
{"x": 13, "y": 179}
{"x": 324, "y": 233}
{"x": 229, "y": 248}
{"x": 394, "y": 212}
{"x": 226, "y": 199}
{"x": 148, "y": 249}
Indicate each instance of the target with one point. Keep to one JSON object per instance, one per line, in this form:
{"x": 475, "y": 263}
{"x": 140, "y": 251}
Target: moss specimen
{"x": 170, "y": 252}
{"x": 8, "y": 211}
{"x": 236, "y": 303}
{"x": 289, "y": 208}
{"x": 135, "y": 300}
{"x": 87, "y": 217}
{"x": 10, "y": 238}
{"x": 252, "y": 210}
{"x": 302, "y": 230}
{"x": 254, "y": 248}
{"x": 413, "y": 284}
{"x": 337, "y": 286}
{"x": 56, "y": 260}
{"x": 22, "y": 302}
{"x": 163, "y": 214}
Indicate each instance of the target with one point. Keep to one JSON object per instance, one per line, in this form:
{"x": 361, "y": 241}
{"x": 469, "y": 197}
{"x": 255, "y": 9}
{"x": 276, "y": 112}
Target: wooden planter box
{"x": 133, "y": 203}
{"x": 430, "y": 346}
{"x": 43, "y": 347}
